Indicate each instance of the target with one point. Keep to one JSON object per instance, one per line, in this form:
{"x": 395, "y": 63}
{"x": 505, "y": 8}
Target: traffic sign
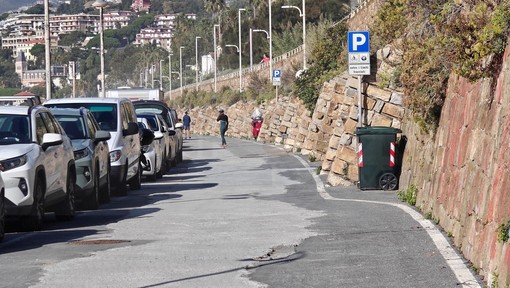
{"x": 277, "y": 77}
{"x": 358, "y": 43}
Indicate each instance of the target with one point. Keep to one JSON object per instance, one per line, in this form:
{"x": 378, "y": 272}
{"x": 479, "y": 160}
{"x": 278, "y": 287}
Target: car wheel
{"x": 106, "y": 190}
{"x": 153, "y": 177}
{"x": 179, "y": 156}
{"x": 66, "y": 211}
{"x": 34, "y": 221}
{"x": 163, "y": 169}
{"x": 122, "y": 188}
{"x": 92, "y": 201}
{"x": 135, "y": 183}
{"x": 2, "y": 215}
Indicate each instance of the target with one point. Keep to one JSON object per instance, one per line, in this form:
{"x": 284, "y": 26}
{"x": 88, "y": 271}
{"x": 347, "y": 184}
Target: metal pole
{"x": 215, "y": 57}
{"x": 170, "y": 75}
{"x": 161, "y": 75}
{"x": 196, "y": 62}
{"x": 152, "y": 75}
{"x": 240, "y": 59}
{"x": 74, "y": 78}
{"x": 103, "y": 86}
{"x": 47, "y": 54}
{"x": 251, "y": 49}
{"x": 180, "y": 67}
{"x": 304, "y": 36}
{"x": 270, "y": 45}
{"x": 360, "y": 124}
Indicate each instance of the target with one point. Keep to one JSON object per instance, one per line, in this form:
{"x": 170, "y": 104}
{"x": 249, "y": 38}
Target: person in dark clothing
{"x": 223, "y": 119}
{"x": 186, "y": 122}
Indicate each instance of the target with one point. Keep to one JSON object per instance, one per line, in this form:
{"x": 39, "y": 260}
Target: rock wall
{"x": 462, "y": 173}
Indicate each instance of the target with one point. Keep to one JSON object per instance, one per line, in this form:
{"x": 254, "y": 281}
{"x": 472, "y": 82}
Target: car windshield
{"x": 73, "y": 125}
{"x": 105, "y": 114}
{"x": 14, "y": 129}
{"x": 156, "y": 110}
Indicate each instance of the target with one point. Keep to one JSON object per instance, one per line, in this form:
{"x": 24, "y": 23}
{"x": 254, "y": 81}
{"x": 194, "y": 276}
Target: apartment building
{"x": 118, "y": 19}
{"x": 61, "y": 24}
{"x": 161, "y": 36}
{"x": 141, "y": 5}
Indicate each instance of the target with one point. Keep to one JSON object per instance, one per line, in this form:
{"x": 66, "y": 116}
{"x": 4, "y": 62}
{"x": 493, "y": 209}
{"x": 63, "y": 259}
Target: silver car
{"x": 2, "y": 208}
{"x": 91, "y": 155}
{"x": 153, "y": 165}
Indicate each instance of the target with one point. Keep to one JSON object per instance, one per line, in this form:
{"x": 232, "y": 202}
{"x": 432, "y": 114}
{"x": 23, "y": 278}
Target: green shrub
{"x": 408, "y": 196}
{"x": 503, "y": 230}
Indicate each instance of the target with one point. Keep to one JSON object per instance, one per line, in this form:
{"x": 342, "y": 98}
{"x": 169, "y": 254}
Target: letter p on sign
{"x": 359, "y": 41}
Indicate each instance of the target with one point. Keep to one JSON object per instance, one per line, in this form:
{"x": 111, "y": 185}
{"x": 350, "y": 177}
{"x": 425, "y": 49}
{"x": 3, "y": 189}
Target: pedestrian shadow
{"x": 288, "y": 259}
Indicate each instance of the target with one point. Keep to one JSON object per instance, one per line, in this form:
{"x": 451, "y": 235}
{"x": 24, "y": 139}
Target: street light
{"x": 270, "y": 43}
{"x": 196, "y": 62}
{"x": 153, "y": 67}
{"x": 302, "y": 14}
{"x": 215, "y": 56}
{"x": 239, "y": 49}
{"x": 180, "y": 66}
{"x": 101, "y": 4}
{"x": 161, "y": 75}
{"x": 47, "y": 42}
{"x": 251, "y": 44}
{"x": 170, "y": 74}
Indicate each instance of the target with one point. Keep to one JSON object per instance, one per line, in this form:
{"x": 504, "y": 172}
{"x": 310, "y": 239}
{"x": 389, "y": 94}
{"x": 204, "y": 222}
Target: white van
{"x": 116, "y": 115}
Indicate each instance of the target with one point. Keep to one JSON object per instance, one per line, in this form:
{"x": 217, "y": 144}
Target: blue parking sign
{"x": 277, "y": 73}
{"x": 358, "y": 41}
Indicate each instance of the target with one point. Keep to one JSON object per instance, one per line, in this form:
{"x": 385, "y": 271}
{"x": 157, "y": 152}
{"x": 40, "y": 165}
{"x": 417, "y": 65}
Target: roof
{"x": 24, "y": 93}
{"x": 67, "y": 111}
{"x": 16, "y": 110}
{"x": 85, "y": 100}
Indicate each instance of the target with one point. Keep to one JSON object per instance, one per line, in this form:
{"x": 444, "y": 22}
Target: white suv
{"x": 38, "y": 167}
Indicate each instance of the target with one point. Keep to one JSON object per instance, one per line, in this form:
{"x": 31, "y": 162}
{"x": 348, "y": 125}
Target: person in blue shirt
{"x": 186, "y": 123}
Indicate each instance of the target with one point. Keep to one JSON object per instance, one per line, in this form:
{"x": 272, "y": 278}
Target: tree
{"x": 38, "y": 51}
{"x": 36, "y": 9}
{"x": 72, "y": 38}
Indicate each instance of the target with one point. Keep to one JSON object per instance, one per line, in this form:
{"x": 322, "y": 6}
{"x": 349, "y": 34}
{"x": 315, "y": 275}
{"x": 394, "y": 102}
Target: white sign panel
{"x": 277, "y": 77}
{"x": 359, "y": 52}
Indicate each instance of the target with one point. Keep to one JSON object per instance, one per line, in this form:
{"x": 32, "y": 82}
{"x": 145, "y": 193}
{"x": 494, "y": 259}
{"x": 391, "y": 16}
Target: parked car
{"x": 178, "y": 128}
{"x": 158, "y": 107}
{"x": 117, "y": 116}
{"x": 91, "y": 155}
{"x": 2, "y": 208}
{"x": 154, "y": 153}
{"x": 38, "y": 165}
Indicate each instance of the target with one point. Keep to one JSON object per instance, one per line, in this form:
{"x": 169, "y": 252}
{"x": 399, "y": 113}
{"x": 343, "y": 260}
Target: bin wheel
{"x": 388, "y": 181}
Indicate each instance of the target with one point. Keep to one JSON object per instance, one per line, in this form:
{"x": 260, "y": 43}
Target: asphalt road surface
{"x": 251, "y": 215}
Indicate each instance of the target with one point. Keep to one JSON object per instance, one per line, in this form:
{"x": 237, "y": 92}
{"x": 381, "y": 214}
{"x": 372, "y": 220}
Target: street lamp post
{"x": 239, "y": 49}
{"x": 47, "y": 42}
{"x": 196, "y": 62}
{"x": 101, "y": 4}
{"x": 251, "y": 44}
{"x": 302, "y": 14}
{"x": 161, "y": 75}
{"x": 170, "y": 75}
{"x": 180, "y": 66}
{"x": 270, "y": 44}
{"x": 153, "y": 67}
{"x": 215, "y": 56}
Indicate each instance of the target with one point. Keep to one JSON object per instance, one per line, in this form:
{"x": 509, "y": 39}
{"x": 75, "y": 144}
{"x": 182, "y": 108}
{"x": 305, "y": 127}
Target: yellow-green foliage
{"x": 439, "y": 37}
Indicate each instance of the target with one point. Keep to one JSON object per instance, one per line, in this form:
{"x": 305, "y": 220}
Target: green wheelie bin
{"x": 377, "y": 157}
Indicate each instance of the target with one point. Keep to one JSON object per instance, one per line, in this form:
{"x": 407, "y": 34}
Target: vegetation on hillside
{"x": 440, "y": 37}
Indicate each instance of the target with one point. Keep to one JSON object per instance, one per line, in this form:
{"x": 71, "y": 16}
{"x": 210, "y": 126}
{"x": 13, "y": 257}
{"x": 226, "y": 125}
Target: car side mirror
{"x": 131, "y": 130}
{"x": 163, "y": 129}
{"x": 171, "y": 132}
{"x": 179, "y": 125}
{"x": 102, "y": 135}
{"x": 158, "y": 135}
{"x": 147, "y": 137}
{"x": 51, "y": 139}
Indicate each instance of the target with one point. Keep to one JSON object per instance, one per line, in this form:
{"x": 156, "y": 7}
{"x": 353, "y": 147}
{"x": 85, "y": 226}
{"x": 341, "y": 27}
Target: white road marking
{"x": 456, "y": 263}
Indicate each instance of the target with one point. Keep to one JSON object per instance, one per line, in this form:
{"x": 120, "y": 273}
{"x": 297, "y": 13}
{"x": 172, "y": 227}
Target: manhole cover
{"x": 97, "y": 242}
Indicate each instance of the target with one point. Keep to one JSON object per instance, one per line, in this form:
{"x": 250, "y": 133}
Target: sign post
{"x": 277, "y": 80}
{"x": 359, "y": 60}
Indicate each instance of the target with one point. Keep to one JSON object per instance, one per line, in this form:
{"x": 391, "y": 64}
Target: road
{"x": 251, "y": 215}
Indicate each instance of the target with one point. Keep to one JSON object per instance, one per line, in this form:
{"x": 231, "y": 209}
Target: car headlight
{"x": 12, "y": 163}
{"x": 81, "y": 154}
{"x": 146, "y": 148}
{"x": 115, "y": 156}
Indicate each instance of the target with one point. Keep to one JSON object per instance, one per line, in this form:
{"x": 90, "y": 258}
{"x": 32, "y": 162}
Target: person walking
{"x": 186, "y": 123}
{"x": 223, "y": 119}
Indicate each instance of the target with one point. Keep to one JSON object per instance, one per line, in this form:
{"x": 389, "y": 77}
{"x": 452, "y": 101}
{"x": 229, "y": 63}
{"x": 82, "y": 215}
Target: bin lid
{"x": 377, "y": 130}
